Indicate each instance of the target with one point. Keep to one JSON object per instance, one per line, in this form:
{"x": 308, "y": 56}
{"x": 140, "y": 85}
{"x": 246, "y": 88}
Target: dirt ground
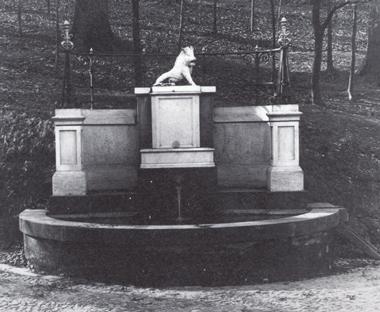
{"x": 354, "y": 286}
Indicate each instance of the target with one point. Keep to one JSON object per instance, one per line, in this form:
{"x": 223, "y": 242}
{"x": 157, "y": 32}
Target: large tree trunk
{"x": 371, "y": 64}
{"x": 137, "y": 51}
{"x": 91, "y": 27}
{"x": 316, "y": 97}
{"x": 330, "y": 63}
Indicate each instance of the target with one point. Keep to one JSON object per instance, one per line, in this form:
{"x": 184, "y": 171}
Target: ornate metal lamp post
{"x": 67, "y": 46}
{"x": 283, "y": 83}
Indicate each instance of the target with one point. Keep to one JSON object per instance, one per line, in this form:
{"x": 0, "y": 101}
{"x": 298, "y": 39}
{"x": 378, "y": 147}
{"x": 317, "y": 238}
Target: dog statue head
{"x": 187, "y": 54}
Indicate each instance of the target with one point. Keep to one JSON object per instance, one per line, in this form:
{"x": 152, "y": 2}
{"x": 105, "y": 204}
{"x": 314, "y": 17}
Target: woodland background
{"x": 340, "y": 139}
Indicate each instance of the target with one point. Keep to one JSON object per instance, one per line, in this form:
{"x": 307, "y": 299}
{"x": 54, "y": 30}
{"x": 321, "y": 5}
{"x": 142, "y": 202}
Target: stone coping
{"x": 174, "y": 89}
{"x": 177, "y": 150}
{"x": 37, "y": 223}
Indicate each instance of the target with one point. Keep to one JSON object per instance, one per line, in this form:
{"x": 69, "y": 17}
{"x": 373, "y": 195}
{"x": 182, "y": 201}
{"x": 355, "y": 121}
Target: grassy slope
{"x": 339, "y": 142}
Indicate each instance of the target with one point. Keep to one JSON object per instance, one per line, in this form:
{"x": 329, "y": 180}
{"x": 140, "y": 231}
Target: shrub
{"x": 26, "y": 161}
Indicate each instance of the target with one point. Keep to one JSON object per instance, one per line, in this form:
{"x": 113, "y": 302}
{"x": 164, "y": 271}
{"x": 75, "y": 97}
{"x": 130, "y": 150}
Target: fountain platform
{"x": 233, "y": 253}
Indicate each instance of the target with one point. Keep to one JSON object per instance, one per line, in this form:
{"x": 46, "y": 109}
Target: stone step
{"x": 223, "y": 199}
{"x": 261, "y": 199}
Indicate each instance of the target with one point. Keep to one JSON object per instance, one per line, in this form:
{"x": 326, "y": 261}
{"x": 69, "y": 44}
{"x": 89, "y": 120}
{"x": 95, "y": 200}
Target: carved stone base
{"x": 285, "y": 179}
{"x": 66, "y": 183}
{"x": 177, "y": 158}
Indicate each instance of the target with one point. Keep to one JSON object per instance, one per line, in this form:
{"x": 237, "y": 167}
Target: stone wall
{"x": 242, "y": 146}
{"x": 110, "y": 148}
{"x": 111, "y": 141}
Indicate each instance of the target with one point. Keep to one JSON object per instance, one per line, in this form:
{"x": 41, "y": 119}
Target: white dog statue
{"x": 182, "y": 69}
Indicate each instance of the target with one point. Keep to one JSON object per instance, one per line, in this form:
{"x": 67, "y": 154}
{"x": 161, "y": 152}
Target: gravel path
{"x": 355, "y": 290}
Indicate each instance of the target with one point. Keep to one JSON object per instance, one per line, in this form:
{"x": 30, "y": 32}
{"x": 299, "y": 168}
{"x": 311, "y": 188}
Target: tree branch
{"x": 333, "y": 10}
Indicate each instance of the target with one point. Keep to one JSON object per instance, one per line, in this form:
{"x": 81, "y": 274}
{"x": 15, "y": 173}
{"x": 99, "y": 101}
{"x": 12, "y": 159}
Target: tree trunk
{"x": 91, "y": 27}
{"x": 137, "y": 59}
{"x": 273, "y": 14}
{"x": 19, "y": 16}
{"x": 200, "y": 9}
{"x": 330, "y": 64}
{"x": 57, "y": 30}
{"x": 180, "y": 34}
{"x": 353, "y": 54}
{"x": 215, "y": 30}
{"x": 371, "y": 64}
{"x": 316, "y": 96}
{"x": 319, "y": 29}
{"x": 252, "y": 15}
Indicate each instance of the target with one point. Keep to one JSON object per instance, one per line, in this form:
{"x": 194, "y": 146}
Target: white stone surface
{"x": 171, "y": 89}
{"x": 68, "y": 148}
{"x": 284, "y": 108}
{"x": 141, "y": 91}
{"x": 175, "y": 121}
{"x": 66, "y": 183}
{"x": 109, "y": 117}
{"x": 241, "y": 114}
{"x": 177, "y": 158}
{"x": 285, "y": 179}
{"x": 176, "y": 89}
{"x": 100, "y": 144}
{"x": 285, "y": 174}
{"x": 285, "y": 143}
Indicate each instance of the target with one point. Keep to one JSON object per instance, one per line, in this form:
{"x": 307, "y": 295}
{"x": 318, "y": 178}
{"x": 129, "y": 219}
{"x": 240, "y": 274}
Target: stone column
{"x": 144, "y": 117}
{"x": 284, "y": 173}
{"x": 69, "y": 178}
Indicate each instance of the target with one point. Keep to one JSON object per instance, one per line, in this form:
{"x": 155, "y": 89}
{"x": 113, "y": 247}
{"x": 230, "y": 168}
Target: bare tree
{"x": 353, "y": 54}
{"x": 319, "y": 29}
{"x": 371, "y": 64}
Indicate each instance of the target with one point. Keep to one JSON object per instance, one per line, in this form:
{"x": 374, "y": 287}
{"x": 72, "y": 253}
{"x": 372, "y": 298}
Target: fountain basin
{"x": 235, "y": 253}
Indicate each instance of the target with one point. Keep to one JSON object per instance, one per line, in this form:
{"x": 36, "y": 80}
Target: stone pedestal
{"x": 284, "y": 173}
{"x": 69, "y": 178}
{"x": 175, "y": 117}
{"x": 175, "y": 128}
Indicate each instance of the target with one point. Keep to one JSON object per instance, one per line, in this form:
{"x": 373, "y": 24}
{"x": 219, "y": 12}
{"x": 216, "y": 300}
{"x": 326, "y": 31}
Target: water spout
{"x": 179, "y": 190}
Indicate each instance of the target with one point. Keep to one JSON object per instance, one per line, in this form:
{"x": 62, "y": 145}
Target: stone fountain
{"x": 176, "y": 192}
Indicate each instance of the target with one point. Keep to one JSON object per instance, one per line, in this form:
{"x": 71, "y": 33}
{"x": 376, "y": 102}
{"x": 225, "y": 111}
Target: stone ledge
{"x": 175, "y": 89}
{"x": 37, "y": 223}
{"x": 177, "y": 158}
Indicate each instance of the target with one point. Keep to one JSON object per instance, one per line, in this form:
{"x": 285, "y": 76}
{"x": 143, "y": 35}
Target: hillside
{"x": 340, "y": 142}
